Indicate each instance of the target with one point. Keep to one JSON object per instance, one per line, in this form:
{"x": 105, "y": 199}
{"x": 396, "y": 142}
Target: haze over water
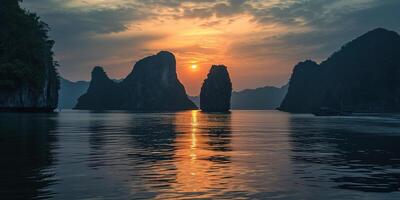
{"x": 184, "y": 155}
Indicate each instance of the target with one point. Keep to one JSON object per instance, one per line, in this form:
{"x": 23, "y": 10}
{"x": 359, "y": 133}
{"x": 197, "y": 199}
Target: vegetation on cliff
{"x": 26, "y": 56}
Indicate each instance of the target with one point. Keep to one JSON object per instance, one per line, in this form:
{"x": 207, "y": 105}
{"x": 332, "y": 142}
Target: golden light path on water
{"x": 197, "y": 155}
{"x": 194, "y": 139}
{"x": 189, "y": 154}
{"x": 202, "y": 157}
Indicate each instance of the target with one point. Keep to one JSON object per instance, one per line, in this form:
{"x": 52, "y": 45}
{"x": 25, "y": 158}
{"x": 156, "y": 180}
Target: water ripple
{"x": 193, "y": 155}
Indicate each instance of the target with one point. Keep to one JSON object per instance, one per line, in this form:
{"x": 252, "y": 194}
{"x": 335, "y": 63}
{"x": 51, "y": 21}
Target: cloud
{"x": 99, "y": 20}
{"x": 335, "y": 25}
{"x": 80, "y": 35}
{"x": 116, "y": 32}
{"x": 197, "y": 13}
{"x": 315, "y": 29}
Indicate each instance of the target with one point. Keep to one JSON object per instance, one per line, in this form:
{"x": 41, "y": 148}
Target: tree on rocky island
{"x": 28, "y": 75}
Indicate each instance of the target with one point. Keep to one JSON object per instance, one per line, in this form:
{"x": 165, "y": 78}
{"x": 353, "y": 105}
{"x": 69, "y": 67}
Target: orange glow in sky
{"x": 197, "y": 43}
{"x": 259, "y": 41}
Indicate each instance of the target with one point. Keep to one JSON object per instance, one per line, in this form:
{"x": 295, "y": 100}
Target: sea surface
{"x": 193, "y": 155}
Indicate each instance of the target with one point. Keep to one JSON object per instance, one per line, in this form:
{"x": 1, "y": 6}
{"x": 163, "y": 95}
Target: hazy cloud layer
{"x": 262, "y": 39}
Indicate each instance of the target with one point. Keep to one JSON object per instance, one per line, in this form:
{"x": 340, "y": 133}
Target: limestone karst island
{"x": 199, "y": 99}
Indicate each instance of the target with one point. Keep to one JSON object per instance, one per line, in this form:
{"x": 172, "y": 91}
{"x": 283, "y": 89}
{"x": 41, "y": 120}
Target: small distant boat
{"x": 326, "y": 111}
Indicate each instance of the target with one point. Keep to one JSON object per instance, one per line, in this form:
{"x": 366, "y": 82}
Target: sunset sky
{"x": 259, "y": 40}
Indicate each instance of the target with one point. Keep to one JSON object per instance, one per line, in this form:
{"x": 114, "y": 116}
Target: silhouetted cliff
{"x": 302, "y": 88}
{"x": 263, "y": 98}
{"x": 363, "y": 76}
{"x": 102, "y": 94}
{"x": 28, "y": 77}
{"x": 70, "y": 92}
{"x": 215, "y": 95}
{"x": 152, "y": 85}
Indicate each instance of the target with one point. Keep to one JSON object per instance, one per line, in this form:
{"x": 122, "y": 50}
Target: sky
{"x": 259, "y": 40}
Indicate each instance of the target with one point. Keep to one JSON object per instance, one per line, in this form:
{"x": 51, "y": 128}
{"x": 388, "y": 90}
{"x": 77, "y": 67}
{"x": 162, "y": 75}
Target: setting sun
{"x": 200, "y": 99}
{"x": 194, "y": 66}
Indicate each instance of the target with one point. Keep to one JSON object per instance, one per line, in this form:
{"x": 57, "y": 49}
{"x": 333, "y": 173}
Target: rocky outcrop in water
{"x": 102, "y": 93}
{"x": 28, "y": 76}
{"x": 300, "y": 97}
{"x": 215, "y": 95}
{"x": 363, "y": 76}
{"x": 152, "y": 85}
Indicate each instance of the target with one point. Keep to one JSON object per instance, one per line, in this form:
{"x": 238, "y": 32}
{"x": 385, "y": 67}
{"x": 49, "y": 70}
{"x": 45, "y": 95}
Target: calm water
{"x": 186, "y": 155}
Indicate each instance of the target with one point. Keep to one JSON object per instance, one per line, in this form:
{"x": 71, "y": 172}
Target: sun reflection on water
{"x": 202, "y": 157}
{"x": 191, "y": 157}
{"x": 194, "y": 138}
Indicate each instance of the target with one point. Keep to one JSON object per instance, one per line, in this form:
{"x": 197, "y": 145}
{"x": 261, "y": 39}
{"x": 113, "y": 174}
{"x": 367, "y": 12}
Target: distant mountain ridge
{"x": 363, "y": 76}
{"x": 152, "y": 85}
{"x": 263, "y": 98}
{"x": 70, "y": 92}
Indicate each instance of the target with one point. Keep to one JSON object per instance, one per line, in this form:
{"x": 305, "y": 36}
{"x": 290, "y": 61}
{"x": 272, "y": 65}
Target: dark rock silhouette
{"x": 263, "y": 98}
{"x": 102, "y": 93}
{"x": 152, "y": 85}
{"x": 300, "y": 97}
{"x": 215, "y": 95}
{"x": 28, "y": 76}
{"x": 70, "y": 91}
{"x": 364, "y": 76}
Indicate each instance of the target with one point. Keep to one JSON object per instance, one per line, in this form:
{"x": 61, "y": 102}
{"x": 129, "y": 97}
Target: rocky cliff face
{"x": 102, "y": 93}
{"x": 215, "y": 95}
{"x": 26, "y": 99}
{"x": 28, "y": 77}
{"x": 300, "y": 97}
{"x": 364, "y": 76}
{"x": 152, "y": 85}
